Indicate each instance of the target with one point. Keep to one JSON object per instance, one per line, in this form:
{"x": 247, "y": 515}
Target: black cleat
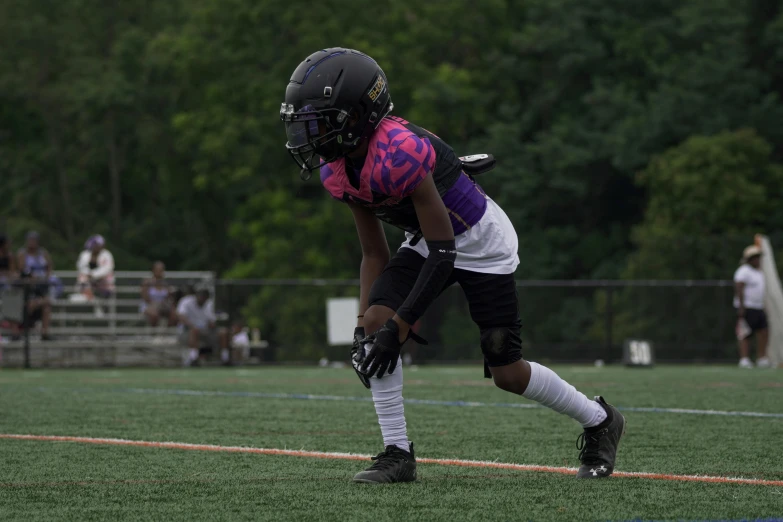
{"x": 598, "y": 445}
{"x": 392, "y": 465}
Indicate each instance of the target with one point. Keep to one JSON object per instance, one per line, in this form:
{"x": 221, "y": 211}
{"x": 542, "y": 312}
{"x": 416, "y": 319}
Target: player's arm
{"x": 106, "y": 267}
{"x": 439, "y": 234}
{"x": 739, "y": 291}
{"x": 375, "y": 253}
{"x": 210, "y": 313}
{"x": 740, "y": 280}
{"x": 145, "y": 291}
{"x": 375, "y": 256}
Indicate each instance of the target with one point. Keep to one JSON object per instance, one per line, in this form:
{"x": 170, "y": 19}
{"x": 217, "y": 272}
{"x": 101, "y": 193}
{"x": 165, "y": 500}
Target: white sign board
{"x": 639, "y": 353}
{"x": 341, "y": 320}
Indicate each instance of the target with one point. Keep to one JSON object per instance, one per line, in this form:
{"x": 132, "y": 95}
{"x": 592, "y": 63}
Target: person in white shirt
{"x": 240, "y": 341}
{"x": 749, "y": 288}
{"x": 96, "y": 269}
{"x": 199, "y": 330}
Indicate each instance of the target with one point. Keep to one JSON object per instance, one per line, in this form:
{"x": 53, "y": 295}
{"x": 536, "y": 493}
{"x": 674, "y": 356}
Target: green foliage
{"x": 699, "y": 193}
{"x": 707, "y": 197}
{"x": 156, "y": 125}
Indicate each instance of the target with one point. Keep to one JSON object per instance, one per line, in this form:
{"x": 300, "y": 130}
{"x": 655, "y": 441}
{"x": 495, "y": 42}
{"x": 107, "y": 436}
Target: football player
{"x": 337, "y": 115}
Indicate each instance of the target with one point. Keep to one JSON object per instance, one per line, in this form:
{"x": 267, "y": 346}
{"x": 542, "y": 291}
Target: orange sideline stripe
{"x": 353, "y": 456}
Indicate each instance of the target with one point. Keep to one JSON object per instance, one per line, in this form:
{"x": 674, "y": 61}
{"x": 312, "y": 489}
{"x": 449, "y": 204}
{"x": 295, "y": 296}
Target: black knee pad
{"x": 501, "y": 346}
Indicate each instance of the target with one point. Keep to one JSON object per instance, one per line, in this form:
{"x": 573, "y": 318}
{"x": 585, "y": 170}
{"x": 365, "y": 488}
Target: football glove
{"x": 382, "y": 357}
{"x": 357, "y": 355}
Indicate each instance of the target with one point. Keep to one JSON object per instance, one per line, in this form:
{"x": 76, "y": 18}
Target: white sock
{"x": 224, "y": 355}
{"x": 548, "y": 389}
{"x": 387, "y": 396}
{"x": 193, "y": 354}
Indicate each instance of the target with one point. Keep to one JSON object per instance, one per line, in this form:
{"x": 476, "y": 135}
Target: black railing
{"x": 687, "y": 320}
{"x": 574, "y": 320}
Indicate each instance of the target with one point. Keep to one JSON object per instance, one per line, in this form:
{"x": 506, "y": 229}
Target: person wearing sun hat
{"x": 96, "y": 268}
{"x": 749, "y": 290}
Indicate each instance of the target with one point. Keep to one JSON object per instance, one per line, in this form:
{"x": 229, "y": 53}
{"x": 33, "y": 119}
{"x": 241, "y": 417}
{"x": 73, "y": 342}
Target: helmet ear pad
{"x": 353, "y": 132}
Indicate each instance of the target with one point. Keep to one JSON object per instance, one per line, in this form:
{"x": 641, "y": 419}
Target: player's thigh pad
{"x": 494, "y": 307}
{"x": 397, "y": 279}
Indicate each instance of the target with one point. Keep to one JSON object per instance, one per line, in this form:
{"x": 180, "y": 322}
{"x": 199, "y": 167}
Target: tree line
{"x": 635, "y": 139}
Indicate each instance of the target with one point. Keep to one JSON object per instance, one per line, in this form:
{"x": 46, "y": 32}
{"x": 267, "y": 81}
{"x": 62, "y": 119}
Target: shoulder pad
{"x": 477, "y": 163}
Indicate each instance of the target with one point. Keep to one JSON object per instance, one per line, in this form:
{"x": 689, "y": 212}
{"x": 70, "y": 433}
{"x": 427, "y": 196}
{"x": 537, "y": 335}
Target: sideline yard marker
{"x": 354, "y": 456}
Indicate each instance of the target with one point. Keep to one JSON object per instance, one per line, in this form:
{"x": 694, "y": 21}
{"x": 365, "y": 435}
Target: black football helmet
{"x": 334, "y": 100}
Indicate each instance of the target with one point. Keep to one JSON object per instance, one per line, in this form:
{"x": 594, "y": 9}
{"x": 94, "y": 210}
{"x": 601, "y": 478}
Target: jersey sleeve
{"x": 330, "y": 180}
{"x": 182, "y": 306}
{"x": 741, "y": 275}
{"x": 413, "y": 160}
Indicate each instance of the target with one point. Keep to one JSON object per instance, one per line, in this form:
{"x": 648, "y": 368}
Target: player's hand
{"x": 385, "y": 351}
{"x": 357, "y": 355}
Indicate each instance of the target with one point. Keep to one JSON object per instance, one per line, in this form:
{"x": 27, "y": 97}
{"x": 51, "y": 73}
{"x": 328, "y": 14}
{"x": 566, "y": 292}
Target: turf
{"x": 73, "y": 481}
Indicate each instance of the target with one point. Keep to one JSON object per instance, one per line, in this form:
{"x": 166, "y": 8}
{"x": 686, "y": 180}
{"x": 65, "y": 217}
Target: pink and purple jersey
{"x": 399, "y": 157}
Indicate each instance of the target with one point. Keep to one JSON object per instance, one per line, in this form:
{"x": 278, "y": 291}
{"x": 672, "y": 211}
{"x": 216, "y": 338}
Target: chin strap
{"x": 305, "y": 174}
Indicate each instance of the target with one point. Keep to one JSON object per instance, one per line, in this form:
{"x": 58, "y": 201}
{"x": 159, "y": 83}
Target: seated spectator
{"x": 240, "y": 341}
{"x": 8, "y": 270}
{"x": 96, "y": 269}
{"x": 33, "y": 260}
{"x": 157, "y": 297}
{"x": 35, "y": 266}
{"x": 199, "y": 330}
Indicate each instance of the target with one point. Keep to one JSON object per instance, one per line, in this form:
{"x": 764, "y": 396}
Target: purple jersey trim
{"x": 466, "y": 204}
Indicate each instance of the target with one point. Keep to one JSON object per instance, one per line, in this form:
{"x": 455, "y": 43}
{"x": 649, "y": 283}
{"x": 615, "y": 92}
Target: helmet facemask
{"x": 314, "y": 136}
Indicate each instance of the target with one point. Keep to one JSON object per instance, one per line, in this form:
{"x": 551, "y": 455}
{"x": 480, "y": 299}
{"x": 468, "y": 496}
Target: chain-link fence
{"x": 562, "y": 320}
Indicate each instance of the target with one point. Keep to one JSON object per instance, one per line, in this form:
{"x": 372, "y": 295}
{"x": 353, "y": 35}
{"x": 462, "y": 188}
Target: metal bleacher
{"x": 104, "y": 332}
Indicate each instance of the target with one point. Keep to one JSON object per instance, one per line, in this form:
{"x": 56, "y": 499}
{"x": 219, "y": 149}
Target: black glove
{"x": 357, "y": 355}
{"x": 385, "y": 350}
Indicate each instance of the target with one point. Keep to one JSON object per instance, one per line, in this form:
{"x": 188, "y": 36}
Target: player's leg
{"x": 493, "y": 303}
{"x": 387, "y": 391}
{"x": 745, "y": 331}
{"x": 193, "y": 343}
{"x": 744, "y": 353}
{"x": 761, "y": 328}
{"x": 151, "y": 313}
{"x": 762, "y": 338}
{"x": 397, "y": 462}
{"x": 221, "y": 339}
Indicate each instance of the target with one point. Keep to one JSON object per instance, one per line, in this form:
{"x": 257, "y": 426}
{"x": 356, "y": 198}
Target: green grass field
{"x": 45, "y": 480}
